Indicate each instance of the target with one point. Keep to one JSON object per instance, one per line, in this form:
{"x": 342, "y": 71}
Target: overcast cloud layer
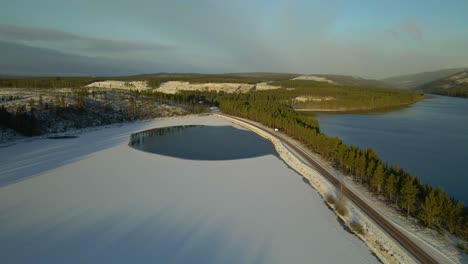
{"x": 364, "y": 38}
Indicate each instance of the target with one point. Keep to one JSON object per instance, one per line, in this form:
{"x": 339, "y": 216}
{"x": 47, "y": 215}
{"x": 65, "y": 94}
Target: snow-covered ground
{"x": 314, "y": 78}
{"x": 133, "y": 85}
{"x": 94, "y": 199}
{"x": 173, "y": 87}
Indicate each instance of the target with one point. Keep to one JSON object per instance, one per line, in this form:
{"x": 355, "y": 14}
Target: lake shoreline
{"x": 375, "y": 238}
{"x": 427, "y": 139}
{"x": 357, "y": 110}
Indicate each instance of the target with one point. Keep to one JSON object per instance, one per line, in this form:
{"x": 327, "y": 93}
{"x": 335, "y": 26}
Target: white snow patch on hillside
{"x": 313, "y": 98}
{"x": 173, "y": 87}
{"x": 458, "y": 76}
{"x": 314, "y": 78}
{"x": 265, "y": 86}
{"x": 462, "y": 80}
{"x": 134, "y": 85}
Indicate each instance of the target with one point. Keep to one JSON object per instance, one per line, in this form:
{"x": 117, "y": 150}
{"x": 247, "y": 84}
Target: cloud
{"x": 407, "y": 28}
{"x": 19, "y": 59}
{"x": 210, "y": 36}
{"x": 412, "y": 29}
{"x": 393, "y": 32}
{"x": 66, "y": 40}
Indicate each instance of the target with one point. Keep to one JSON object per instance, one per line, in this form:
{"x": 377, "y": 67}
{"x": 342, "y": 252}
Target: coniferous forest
{"x": 431, "y": 206}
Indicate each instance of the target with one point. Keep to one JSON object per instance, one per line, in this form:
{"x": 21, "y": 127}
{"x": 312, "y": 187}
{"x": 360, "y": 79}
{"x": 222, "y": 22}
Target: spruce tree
{"x": 378, "y": 178}
{"x": 453, "y": 216}
{"x": 369, "y": 171}
{"x": 408, "y": 193}
{"x": 391, "y": 187}
{"x": 360, "y": 168}
{"x": 430, "y": 209}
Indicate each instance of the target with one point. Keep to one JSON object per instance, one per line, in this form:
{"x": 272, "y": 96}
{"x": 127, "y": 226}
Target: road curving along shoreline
{"x": 389, "y": 243}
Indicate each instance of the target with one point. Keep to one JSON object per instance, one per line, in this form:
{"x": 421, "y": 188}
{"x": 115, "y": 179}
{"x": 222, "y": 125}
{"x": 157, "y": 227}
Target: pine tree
{"x": 391, "y": 187}
{"x": 132, "y": 108}
{"x": 369, "y": 171}
{"x": 430, "y": 209}
{"x": 408, "y": 193}
{"x": 350, "y": 160}
{"x": 360, "y": 167}
{"x": 453, "y": 216}
{"x": 378, "y": 178}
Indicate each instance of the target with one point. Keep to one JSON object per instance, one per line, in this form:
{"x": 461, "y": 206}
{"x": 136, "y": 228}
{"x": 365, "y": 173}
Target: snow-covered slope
{"x": 415, "y": 81}
{"x": 173, "y": 87}
{"x": 133, "y": 85}
{"x": 314, "y": 78}
{"x": 347, "y": 80}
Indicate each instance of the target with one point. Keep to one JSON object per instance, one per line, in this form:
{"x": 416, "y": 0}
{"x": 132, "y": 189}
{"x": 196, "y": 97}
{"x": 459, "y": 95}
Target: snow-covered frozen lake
{"x": 95, "y": 199}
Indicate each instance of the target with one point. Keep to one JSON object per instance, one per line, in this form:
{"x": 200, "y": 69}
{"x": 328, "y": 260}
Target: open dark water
{"x": 428, "y": 139}
{"x": 199, "y": 142}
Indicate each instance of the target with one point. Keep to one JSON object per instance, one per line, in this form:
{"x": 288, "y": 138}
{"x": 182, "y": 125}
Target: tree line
{"x": 152, "y": 80}
{"x": 273, "y": 108}
{"x": 460, "y": 91}
{"x": 332, "y": 96}
{"x": 431, "y": 206}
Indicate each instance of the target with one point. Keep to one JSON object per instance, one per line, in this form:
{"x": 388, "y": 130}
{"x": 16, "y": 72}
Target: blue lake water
{"x": 429, "y": 139}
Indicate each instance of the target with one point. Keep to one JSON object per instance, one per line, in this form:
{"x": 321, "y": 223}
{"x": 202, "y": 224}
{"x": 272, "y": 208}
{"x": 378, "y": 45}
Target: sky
{"x": 367, "y": 38}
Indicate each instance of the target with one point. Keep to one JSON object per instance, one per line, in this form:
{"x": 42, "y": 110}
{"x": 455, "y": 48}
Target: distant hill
{"x": 273, "y": 76}
{"x": 266, "y": 75}
{"x": 251, "y": 77}
{"x": 343, "y": 80}
{"x": 4, "y": 77}
{"x": 254, "y": 77}
{"x": 453, "y": 85}
{"x": 166, "y": 74}
{"x": 416, "y": 81}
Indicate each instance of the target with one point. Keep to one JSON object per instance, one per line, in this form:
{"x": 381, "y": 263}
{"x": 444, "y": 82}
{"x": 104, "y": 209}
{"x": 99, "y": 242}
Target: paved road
{"x": 415, "y": 250}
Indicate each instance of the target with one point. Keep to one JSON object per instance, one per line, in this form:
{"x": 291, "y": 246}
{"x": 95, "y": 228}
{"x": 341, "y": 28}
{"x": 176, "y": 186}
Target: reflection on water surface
{"x": 198, "y": 142}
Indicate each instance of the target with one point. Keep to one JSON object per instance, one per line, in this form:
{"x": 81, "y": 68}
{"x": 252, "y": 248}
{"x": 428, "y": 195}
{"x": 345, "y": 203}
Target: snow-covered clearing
{"x": 173, "y": 87}
{"x": 314, "y": 78}
{"x": 133, "y": 85}
{"x": 265, "y": 86}
{"x": 458, "y": 76}
{"x": 303, "y": 99}
{"x": 94, "y": 199}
